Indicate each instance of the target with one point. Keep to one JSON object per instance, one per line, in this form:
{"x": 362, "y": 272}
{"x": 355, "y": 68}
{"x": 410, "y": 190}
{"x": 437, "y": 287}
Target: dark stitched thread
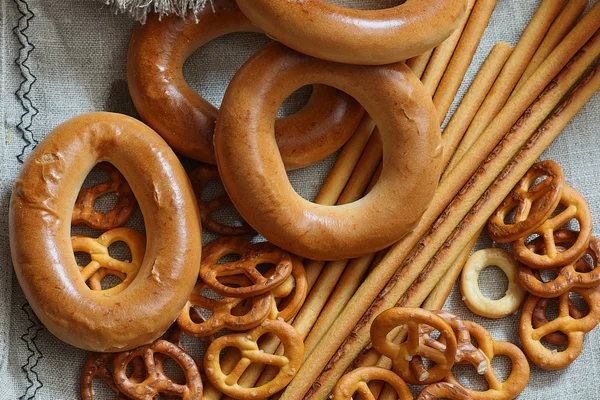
{"x": 22, "y": 93}
{"x": 35, "y": 355}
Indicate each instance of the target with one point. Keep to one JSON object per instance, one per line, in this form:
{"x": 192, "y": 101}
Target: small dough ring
{"x": 365, "y": 37}
{"x": 40, "y": 233}
{"x": 186, "y": 121}
{"x": 255, "y": 178}
{"x": 469, "y": 284}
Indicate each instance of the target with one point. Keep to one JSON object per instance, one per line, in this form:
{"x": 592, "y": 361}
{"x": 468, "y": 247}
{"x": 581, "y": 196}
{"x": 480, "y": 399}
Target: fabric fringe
{"x": 139, "y": 9}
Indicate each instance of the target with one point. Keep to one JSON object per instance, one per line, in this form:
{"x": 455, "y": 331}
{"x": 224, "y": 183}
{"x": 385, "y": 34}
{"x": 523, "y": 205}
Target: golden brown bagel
{"x": 255, "y": 178}
{"x": 186, "y": 121}
{"x": 369, "y": 37}
{"x": 40, "y": 233}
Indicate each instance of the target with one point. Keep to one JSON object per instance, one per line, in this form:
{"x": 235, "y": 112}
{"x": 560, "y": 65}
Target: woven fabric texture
{"x": 63, "y": 58}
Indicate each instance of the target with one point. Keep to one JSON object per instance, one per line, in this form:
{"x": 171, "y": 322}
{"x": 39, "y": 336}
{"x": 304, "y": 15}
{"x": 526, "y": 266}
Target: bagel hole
{"x": 101, "y": 390}
{"x": 96, "y": 176}
{"x": 213, "y": 189}
{"x": 579, "y": 302}
{"x": 493, "y": 283}
{"x": 228, "y": 216}
{"x": 367, "y": 4}
{"x": 295, "y": 102}
{"x": 548, "y": 275}
{"x": 468, "y": 377}
{"x": 171, "y": 369}
{"x": 502, "y": 366}
{"x": 218, "y": 60}
{"x": 105, "y": 203}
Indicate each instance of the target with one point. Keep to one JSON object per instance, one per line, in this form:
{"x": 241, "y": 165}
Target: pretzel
{"x": 358, "y": 380}
{"x": 289, "y": 297}
{"x": 288, "y": 363}
{"x": 576, "y": 208}
{"x": 539, "y": 319}
{"x": 251, "y": 256}
{"x": 465, "y": 353}
{"x": 366, "y": 37}
{"x": 100, "y": 365}
{"x": 85, "y": 212}
{"x": 222, "y": 311}
{"x": 102, "y": 264}
{"x": 497, "y": 389}
{"x": 469, "y": 284}
{"x": 165, "y": 101}
{"x": 415, "y": 344}
{"x": 574, "y": 328}
{"x": 568, "y": 276}
{"x": 533, "y": 203}
{"x": 200, "y": 176}
{"x": 156, "y": 380}
{"x": 257, "y": 183}
{"x": 40, "y": 234}
{"x": 443, "y": 390}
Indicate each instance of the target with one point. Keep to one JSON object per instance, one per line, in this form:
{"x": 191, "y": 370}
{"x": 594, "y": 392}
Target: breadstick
{"x": 472, "y": 100}
{"x": 463, "y": 55}
{"x": 419, "y": 63}
{"x": 559, "y": 29}
{"x": 514, "y": 67}
{"x": 442, "y": 54}
{"x": 372, "y": 286}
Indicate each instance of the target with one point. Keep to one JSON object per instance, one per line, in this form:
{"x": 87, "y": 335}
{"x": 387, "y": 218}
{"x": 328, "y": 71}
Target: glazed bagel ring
{"x": 255, "y": 178}
{"x": 40, "y": 233}
{"x": 365, "y": 37}
{"x": 186, "y": 121}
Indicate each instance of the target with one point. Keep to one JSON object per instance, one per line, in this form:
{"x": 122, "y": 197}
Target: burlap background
{"x": 70, "y": 59}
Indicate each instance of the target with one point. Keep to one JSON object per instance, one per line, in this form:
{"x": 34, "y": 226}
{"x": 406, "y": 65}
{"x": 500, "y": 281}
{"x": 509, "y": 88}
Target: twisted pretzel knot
{"x": 498, "y": 390}
{"x": 577, "y": 274}
{"x": 247, "y": 343}
{"x": 539, "y": 319}
{"x": 567, "y": 322}
{"x": 443, "y": 390}
{"x": 251, "y": 256}
{"x": 102, "y": 264}
{"x": 199, "y": 177}
{"x": 358, "y": 380}
{"x": 156, "y": 380}
{"x": 225, "y": 313}
{"x": 289, "y": 297}
{"x": 465, "y": 353}
{"x": 100, "y": 365}
{"x": 533, "y": 203}
{"x": 85, "y": 211}
{"x": 415, "y": 344}
{"x": 576, "y": 208}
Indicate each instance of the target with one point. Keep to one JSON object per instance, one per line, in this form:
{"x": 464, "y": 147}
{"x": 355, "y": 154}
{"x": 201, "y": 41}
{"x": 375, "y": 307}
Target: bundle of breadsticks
{"x": 338, "y": 278}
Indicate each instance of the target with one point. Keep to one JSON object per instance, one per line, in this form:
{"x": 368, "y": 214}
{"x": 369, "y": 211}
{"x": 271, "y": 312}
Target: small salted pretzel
{"x": 247, "y": 343}
{"x": 575, "y": 208}
{"x": 574, "y": 328}
{"x": 289, "y": 297}
{"x": 539, "y": 318}
{"x": 251, "y": 256}
{"x": 466, "y": 352}
{"x": 469, "y": 284}
{"x": 443, "y": 390}
{"x": 415, "y": 343}
{"x": 358, "y": 381}
{"x": 569, "y": 276}
{"x": 156, "y": 381}
{"x": 497, "y": 389}
{"x": 533, "y": 203}
{"x": 85, "y": 212}
{"x": 100, "y": 365}
{"x": 199, "y": 177}
{"x": 225, "y": 313}
{"x": 102, "y": 264}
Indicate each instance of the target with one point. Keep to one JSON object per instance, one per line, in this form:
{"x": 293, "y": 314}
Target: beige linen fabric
{"x": 70, "y": 59}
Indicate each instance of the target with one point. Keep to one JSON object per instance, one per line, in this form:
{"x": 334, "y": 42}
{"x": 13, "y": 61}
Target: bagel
{"x": 167, "y": 103}
{"x": 366, "y": 37}
{"x": 41, "y": 206}
{"x": 255, "y": 178}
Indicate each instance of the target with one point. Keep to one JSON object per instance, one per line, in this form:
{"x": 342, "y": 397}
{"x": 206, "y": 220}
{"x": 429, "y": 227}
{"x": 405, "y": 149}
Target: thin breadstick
{"x": 442, "y": 54}
{"x": 372, "y": 286}
{"x": 557, "y": 32}
{"x": 419, "y": 63}
{"x": 462, "y": 57}
{"x": 513, "y": 69}
{"x": 472, "y": 100}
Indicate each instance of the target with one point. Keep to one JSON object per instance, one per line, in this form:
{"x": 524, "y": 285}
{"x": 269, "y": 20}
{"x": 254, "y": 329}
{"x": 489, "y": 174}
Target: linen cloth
{"x": 63, "y": 58}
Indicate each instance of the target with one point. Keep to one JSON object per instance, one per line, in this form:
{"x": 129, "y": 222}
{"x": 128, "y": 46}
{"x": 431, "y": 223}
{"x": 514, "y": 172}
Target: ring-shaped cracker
{"x": 166, "y": 102}
{"x": 255, "y": 178}
{"x": 471, "y": 292}
{"x": 358, "y": 381}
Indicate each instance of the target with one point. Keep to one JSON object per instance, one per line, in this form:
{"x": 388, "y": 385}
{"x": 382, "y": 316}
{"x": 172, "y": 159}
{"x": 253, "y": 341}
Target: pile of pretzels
{"x": 571, "y": 256}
